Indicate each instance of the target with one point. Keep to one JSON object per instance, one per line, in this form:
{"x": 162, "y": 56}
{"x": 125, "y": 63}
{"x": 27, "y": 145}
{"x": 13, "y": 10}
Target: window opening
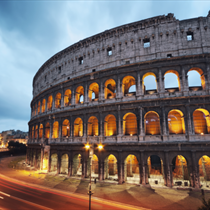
{"x": 146, "y": 43}
{"x": 109, "y": 51}
{"x": 93, "y": 95}
{"x": 59, "y": 69}
{"x": 81, "y": 99}
{"x": 45, "y": 78}
{"x": 93, "y": 70}
{"x": 81, "y": 60}
{"x": 189, "y": 36}
{"x": 169, "y": 55}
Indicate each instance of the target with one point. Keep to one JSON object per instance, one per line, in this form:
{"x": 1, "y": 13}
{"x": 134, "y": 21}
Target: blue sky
{"x": 33, "y": 31}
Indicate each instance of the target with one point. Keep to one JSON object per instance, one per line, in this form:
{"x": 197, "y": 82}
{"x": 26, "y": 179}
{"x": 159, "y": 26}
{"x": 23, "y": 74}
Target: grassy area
{"x": 14, "y": 163}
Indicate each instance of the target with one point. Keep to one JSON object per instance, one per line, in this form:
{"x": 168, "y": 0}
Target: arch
{"x": 180, "y": 171}
{"x": 55, "y": 130}
{"x": 67, "y": 97}
{"x": 38, "y": 109}
{"x": 47, "y": 130}
{"x": 54, "y": 162}
{"x": 201, "y": 121}
{"x": 127, "y": 82}
{"x": 66, "y": 128}
{"x": 176, "y": 123}
{"x": 32, "y": 134}
{"x": 78, "y": 95}
{"x": 45, "y": 161}
{"x": 152, "y": 123}
{"x": 110, "y": 89}
{"x": 40, "y": 131}
{"x": 78, "y": 127}
{"x": 155, "y": 170}
{"x": 149, "y": 83}
{"x": 36, "y": 132}
{"x": 49, "y": 103}
{"x": 64, "y": 164}
{"x": 93, "y": 126}
{"x": 172, "y": 80}
{"x": 110, "y": 128}
{"x": 204, "y": 170}
{"x": 131, "y": 169}
{"x": 43, "y": 105}
{"x": 94, "y": 168}
{"x": 58, "y": 100}
{"x": 110, "y": 168}
{"x": 93, "y": 92}
{"x": 77, "y": 165}
{"x": 196, "y": 78}
{"x": 129, "y": 124}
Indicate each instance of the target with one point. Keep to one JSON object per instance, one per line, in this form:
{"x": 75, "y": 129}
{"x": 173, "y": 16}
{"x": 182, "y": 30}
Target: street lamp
{"x": 90, "y": 147}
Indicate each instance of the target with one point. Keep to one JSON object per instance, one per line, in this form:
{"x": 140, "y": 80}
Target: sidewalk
{"x": 151, "y": 198}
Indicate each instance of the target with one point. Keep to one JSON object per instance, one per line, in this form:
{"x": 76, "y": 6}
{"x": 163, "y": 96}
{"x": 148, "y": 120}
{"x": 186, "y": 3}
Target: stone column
{"x": 84, "y": 168}
{"x": 164, "y": 124}
{"x": 49, "y": 161}
{"x": 119, "y": 88}
{"x": 189, "y": 121}
{"x": 73, "y": 97}
{"x": 119, "y": 134}
{"x": 51, "y": 131}
{"x": 59, "y": 163}
{"x": 141, "y": 123}
{"x": 167, "y": 171}
{"x": 185, "y": 86}
{"x": 53, "y": 102}
{"x": 195, "y": 171}
{"x": 46, "y": 104}
{"x": 207, "y": 78}
{"x": 101, "y": 93}
{"x": 85, "y": 126}
{"x": 161, "y": 87}
{"x": 70, "y": 166}
{"x": 60, "y": 129}
{"x": 139, "y": 85}
{"x": 120, "y": 165}
{"x": 62, "y": 97}
{"x": 143, "y": 168}
{"x": 42, "y": 157}
{"x": 86, "y": 93}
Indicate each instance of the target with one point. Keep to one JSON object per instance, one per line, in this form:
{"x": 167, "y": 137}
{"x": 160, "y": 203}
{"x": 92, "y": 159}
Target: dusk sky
{"x": 33, "y": 31}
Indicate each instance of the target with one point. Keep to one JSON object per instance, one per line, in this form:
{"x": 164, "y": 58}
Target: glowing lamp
{"x": 201, "y": 133}
{"x": 67, "y": 127}
{"x": 100, "y": 146}
{"x": 131, "y": 134}
{"x": 87, "y": 146}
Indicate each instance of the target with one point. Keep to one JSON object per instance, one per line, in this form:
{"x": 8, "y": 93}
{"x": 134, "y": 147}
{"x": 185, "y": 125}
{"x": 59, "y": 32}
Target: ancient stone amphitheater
{"x": 96, "y": 91}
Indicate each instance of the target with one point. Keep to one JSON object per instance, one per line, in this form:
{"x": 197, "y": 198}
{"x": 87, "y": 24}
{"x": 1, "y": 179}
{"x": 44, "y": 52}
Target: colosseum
{"x": 97, "y": 92}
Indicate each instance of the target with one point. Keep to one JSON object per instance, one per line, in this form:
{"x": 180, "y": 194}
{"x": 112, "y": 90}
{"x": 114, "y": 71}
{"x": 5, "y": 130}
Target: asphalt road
{"x": 17, "y": 196}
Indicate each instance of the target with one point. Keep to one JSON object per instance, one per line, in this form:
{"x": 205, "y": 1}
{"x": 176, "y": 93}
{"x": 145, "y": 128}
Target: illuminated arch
{"x": 95, "y": 165}
{"x": 32, "y": 134}
{"x": 78, "y": 127}
{"x": 172, "y": 74}
{"x": 38, "y": 109}
{"x": 67, "y": 97}
{"x": 155, "y": 165}
{"x": 40, "y": 131}
{"x": 93, "y": 92}
{"x": 201, "y": 79}
{"x": 54, "y": 162}
{"x": 43, "y": 105}
{"x": 58, "y": 100}
{"x": 77, "y": 165}
{"x": 127, "y": 82}
{"x": 110, "y": 89}
{"x": 49, "y": 102}
{"x": 55, "y": 130}
{"x": 93, "y": 126}
{"x": 129, "y": 124}
{"x": 36, "y": 132}
{"x": 152, "y": 123}
{"x": 152, "y": 77}
{"x": 66, "y": 128}
{"x": 201, "y": 121}
{"x": 110, "y": 125}
{"x": 204, "y": 168}
{"x": 47, "y": 130}
{"x": 110, "y": 167}
{"x": 176, "y": 123}
{"x": 79, "y": 95}
{"x": 64, "y": 164}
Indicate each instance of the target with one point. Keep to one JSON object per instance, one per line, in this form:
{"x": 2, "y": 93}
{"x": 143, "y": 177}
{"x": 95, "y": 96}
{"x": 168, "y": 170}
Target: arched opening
{"x": 180, "y": 171}
{"x": 128, "y": 82}
{"x": 176, "y": 122}
{"x": 38, "y": 161}
{"x": 204, "y": 171}
{"x": 49, "y": 103}
{"x": 172, "y": 81}
{"x": 64, "y": 164}
{"x": 93, "y": 92}
{"x": 110, "y": 89}
{"x": 45, "y": 161}
{"x": 155, "y": 170}
{"x": 47, "y": 130}
{"x": 58, "y": 100}
{"x": 36, "y": 132}
{"x": 152, "y": 123}
{"x": 32, "y": 133}
{"x": 43, "y": 105}
{"x": 67, "y": 97}
{"x": 78, "y": 127}
{"x": 201, "y": 121}
{"x": 110, "y": 125}
{"x": 131, "y": 170}
{"x": 196, "y": 79}
{"x": 79, "y": 97}
{"x": 110, "y": 168}
{"x": 93, "y": 126}
{"x": 66, "y": 128}
{"x": 94, "y": 168}
{"x": 54, "y": 162}
{"x": 132, "y": 89}
{"x": 55, "y": 130}
{"x": 129, "y": 124}
{"x": 38, "y": 110}
{"x": 77, "y": 165}
{"x": 149, "y": 83}
{"x": 40, "y": 131}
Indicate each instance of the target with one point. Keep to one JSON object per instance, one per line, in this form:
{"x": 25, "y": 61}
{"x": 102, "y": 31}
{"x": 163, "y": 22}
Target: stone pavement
{"x": 156, "y": 198}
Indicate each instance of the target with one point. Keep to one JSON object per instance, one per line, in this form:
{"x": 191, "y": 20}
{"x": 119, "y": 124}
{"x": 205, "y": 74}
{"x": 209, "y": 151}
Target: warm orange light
{"x": 131, "y": 134}
{"x": 201, "y": 133}
{"x": 87, "y": 146}
{"x": 100, "y": 146}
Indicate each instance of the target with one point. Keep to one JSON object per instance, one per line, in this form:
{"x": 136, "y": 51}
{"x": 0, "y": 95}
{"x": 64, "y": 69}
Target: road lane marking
{"x": 1, "y": 197}
{"x": 5, "y": 194}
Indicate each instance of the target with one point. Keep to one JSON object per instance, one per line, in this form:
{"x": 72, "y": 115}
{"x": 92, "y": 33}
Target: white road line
{"x": 5, "y": 194}
{"x": 1, "y": 197}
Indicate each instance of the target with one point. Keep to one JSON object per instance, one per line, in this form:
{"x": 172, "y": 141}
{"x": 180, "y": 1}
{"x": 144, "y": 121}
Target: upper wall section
{"x": 154, "y": 38}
